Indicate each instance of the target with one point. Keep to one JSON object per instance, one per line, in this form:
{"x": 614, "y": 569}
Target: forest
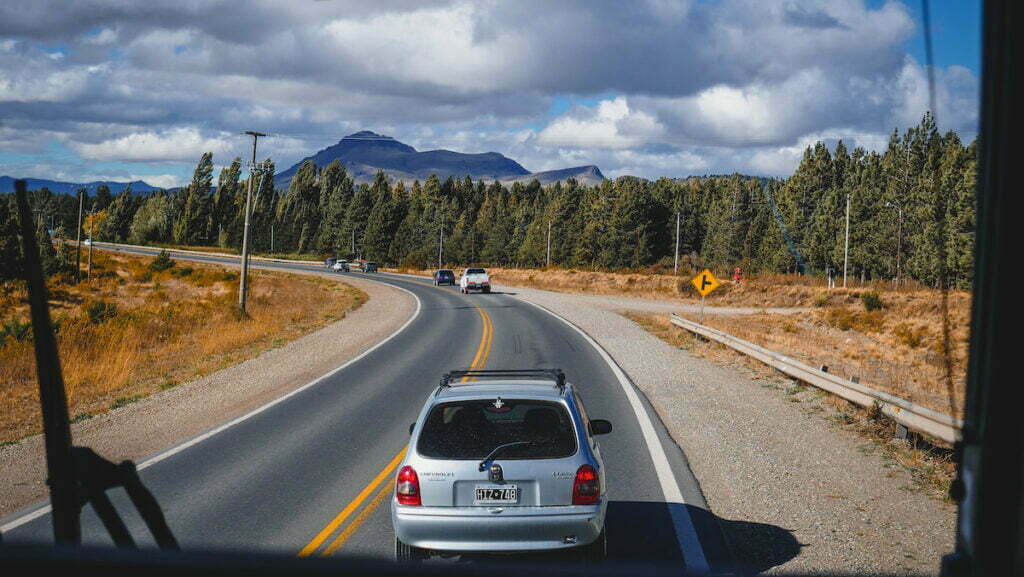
{"x": 911, "y": 214}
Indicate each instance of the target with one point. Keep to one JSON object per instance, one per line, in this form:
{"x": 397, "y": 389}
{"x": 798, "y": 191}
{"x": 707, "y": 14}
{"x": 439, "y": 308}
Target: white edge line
{"x": 686, "y": 534}
{"x": 10, "y": 526}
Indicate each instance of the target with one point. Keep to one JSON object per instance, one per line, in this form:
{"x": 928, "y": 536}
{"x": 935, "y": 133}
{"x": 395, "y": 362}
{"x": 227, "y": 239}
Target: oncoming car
{"x": 340, "y": 266}
{"x": 507, "y": 463}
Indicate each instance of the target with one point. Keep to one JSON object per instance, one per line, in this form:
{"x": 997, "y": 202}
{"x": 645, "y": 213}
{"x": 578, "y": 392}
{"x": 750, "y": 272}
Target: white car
{"x": 340, "y": 266}
{"x": 475, "y": 279}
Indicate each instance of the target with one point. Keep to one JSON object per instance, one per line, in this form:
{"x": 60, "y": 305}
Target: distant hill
{"x": 365, "y": 152}
{"x": 138, "y": 186}
{"x": 588, "y": 175}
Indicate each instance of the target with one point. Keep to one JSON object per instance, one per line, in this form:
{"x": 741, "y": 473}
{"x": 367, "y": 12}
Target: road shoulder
{"x": 169, "y": 417}
{"x": 791, "y": 491}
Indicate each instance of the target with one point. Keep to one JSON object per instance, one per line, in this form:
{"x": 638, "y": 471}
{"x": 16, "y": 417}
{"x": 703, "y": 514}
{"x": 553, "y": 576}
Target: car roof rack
{"x": 555, "y": 375}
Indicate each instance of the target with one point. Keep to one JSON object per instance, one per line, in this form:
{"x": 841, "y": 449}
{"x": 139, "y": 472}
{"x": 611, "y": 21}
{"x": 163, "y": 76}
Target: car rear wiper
{"x": 499, "y": 448}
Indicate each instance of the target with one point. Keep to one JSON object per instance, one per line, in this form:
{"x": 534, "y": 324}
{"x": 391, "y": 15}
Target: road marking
{"x": 340, "y": 518}
{"x": 359, "y": 520}
{"x": 35, "y": 514}
{"x": 483, "y": 351}
{"x": 686, "y": 535}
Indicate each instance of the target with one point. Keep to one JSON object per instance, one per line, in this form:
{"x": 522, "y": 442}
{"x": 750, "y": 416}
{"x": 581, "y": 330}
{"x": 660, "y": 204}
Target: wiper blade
{"x": 498, "y": 449}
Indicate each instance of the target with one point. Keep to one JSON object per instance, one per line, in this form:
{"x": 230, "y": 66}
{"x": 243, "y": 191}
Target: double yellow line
{"x": 383, "y": 489}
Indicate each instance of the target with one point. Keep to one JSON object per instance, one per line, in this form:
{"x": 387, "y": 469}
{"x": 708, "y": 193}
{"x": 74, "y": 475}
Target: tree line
{"x": 911, "y": 207}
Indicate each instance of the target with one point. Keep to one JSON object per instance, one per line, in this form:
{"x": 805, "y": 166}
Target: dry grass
{"x": 931, "y": 465}
{"x": 133, "y": 331}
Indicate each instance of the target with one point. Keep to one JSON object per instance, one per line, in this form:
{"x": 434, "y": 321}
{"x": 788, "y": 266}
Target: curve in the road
{"x": 307, "y": 472}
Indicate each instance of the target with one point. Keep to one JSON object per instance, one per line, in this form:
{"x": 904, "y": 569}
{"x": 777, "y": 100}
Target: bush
{"x": 183, "y": 271}
{"x": 161, "y": 262}
{"x": 100, "y": 310}
{"x": 15, "y": 330}
{"x": 910, "y": 336}
{"x": 872, "y": 301}
{"x": 820, "y": 299}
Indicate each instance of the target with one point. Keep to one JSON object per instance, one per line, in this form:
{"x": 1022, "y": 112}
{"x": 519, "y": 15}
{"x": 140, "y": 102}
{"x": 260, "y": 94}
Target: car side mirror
{"x": 600, "y": 427}
{"x": 412, "y": 426}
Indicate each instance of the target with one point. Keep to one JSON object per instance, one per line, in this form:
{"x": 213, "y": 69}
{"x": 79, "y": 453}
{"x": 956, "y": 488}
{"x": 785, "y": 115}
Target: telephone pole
{"x": 675, "y": 265}
{"x": 846, "y": 246}
{"x": 243, "y": 284}
{"x": 899, "y": 237}
{"x": 440, "y": 245}
{"x": 78, "y": 238}
{"x": 92, "y": 222}
{"x": 548, "y": 264}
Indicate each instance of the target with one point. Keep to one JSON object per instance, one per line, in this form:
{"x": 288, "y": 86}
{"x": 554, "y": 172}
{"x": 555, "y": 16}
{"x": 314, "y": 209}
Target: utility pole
{"x": 548, "y": 263}
{"x": 899, "y": 238}
{"x": 353, "y": 242}
{"x": 846, "y": 247}
{"x": 440, "y": 244}
{"x": 675, "y": 264}
{"x": 243, "y": 284}
{"x": 271, "y": 238}
{"x": 78, "y": 238}
{"x": 92, "y": 222}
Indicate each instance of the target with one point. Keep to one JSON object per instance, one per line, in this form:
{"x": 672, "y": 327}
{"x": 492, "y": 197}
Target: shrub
{"x": 820, "y": 299}
{"x": 910, "y": 336}
{"x": 229, "y": 275}
{"x": 161, "y": 262}
{"x": 15, "y": 330}
{"x": 100, "y": 310}
{"x": 872, "y": 301}
{"x": 183, "y": 271}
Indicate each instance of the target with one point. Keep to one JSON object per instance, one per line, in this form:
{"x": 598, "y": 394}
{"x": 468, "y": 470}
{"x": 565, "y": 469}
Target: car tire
{"x": 596, "y": 552}
{"x": 487, "y": 290}
{"x": 409, "y": 554}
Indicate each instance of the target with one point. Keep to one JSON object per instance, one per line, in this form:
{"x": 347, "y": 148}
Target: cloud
{"x": 686, "y": 85}
{"x": 175, "y": 144}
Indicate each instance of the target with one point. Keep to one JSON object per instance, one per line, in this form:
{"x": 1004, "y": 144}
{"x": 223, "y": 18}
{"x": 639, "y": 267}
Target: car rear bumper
{"x": 486, "y": 529}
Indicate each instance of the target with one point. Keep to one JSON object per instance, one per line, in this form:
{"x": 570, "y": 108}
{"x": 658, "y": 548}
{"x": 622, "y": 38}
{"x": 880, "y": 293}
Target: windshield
{"x": 744, "y": 231}
{"x": 472, "y": 429}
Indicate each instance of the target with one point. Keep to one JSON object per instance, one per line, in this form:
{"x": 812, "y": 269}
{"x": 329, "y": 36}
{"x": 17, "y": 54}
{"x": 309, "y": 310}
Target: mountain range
{"x": 60, "y": 187}
{"x": 365, "y": 152}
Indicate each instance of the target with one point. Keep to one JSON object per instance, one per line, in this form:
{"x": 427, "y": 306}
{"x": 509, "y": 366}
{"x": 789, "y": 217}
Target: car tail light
{"x": 407, "y": 487}
{"x": 586, "y": 489}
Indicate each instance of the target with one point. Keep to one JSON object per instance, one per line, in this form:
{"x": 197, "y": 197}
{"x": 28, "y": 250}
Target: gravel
{"x": 793, "y": 492}
{"x": 164, "y": 419}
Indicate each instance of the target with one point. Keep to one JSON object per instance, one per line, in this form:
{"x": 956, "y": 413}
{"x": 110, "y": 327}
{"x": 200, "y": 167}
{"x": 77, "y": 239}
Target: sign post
{"x": 705, "y": 282}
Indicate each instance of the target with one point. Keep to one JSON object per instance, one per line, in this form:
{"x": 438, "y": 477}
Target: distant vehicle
{"x": 329, "y": 262}
{"x": 506, "y": 463}
{"x": 370, "y": 267}
{"x": 444, "y": 276}
{"x": 340, "y": 266}
{"x": 474, "y": 279}
{"x": 87, "y": 242}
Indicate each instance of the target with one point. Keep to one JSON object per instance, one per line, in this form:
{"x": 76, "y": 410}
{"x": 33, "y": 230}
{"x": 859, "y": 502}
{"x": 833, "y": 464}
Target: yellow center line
{"x": 340, "y": 518}
{"x": 479, "y": 361}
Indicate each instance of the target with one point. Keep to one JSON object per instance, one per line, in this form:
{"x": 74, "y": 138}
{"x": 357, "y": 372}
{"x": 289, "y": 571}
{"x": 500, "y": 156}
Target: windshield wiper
{"x": 490, "y": 456}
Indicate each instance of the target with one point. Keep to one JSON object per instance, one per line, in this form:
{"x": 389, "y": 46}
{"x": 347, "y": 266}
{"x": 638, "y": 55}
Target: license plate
{"x": 496, "y": 494}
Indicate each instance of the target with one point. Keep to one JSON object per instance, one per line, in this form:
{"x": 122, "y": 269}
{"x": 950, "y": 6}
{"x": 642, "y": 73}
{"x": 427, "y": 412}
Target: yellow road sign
{"x": 705, "y": 282}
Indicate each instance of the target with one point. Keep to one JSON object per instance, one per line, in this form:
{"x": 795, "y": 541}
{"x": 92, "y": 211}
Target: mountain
{"x": 59, "y": 187}
{"x": 365, "y": 152}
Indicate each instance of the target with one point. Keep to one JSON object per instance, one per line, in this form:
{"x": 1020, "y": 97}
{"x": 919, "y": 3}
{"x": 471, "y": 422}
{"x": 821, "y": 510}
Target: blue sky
{"x": 645, "y": 88}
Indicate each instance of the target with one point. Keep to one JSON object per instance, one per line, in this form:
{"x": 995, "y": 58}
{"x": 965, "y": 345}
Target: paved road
{"x": 313, "y": 473}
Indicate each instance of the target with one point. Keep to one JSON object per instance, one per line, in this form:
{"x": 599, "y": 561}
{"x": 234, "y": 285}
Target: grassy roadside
{"x": 930, "y": 465}
{"x": 138, "y": 329}
{"x": 222, "y": 250}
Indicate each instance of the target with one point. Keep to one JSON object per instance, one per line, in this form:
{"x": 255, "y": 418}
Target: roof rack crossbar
{"x": 555, "y": 375}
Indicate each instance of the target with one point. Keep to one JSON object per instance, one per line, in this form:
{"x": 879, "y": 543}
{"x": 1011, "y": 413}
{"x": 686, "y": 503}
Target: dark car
{"x": 370, "y": 267}
{"x": 444, "y": 276}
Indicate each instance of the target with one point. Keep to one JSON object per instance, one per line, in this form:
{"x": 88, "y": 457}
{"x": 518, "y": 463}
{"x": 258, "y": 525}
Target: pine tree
{"x": 194, "y": 224}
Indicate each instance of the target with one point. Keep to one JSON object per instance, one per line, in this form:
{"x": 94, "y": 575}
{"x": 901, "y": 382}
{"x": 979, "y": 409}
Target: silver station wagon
{"x": 501, "y": 461}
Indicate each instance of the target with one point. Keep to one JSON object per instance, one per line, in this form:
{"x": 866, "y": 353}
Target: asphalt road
{"x": 313, "y": 474}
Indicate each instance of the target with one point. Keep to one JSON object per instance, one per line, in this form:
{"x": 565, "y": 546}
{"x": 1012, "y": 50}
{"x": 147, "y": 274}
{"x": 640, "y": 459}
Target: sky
{"x": 122, "y": 90}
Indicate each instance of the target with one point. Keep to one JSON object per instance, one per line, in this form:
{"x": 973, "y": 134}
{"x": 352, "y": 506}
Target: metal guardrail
{"x": 914, "y": 417}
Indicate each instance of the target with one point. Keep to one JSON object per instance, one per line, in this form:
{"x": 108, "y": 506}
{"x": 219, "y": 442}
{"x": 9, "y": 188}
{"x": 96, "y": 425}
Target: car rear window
{"x": 472, "y": 429}
{"x": 475, "y": 271}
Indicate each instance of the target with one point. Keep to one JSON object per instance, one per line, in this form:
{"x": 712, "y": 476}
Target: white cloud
{"x": 175, "y": 144}
{"x": 610, "y": 124}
